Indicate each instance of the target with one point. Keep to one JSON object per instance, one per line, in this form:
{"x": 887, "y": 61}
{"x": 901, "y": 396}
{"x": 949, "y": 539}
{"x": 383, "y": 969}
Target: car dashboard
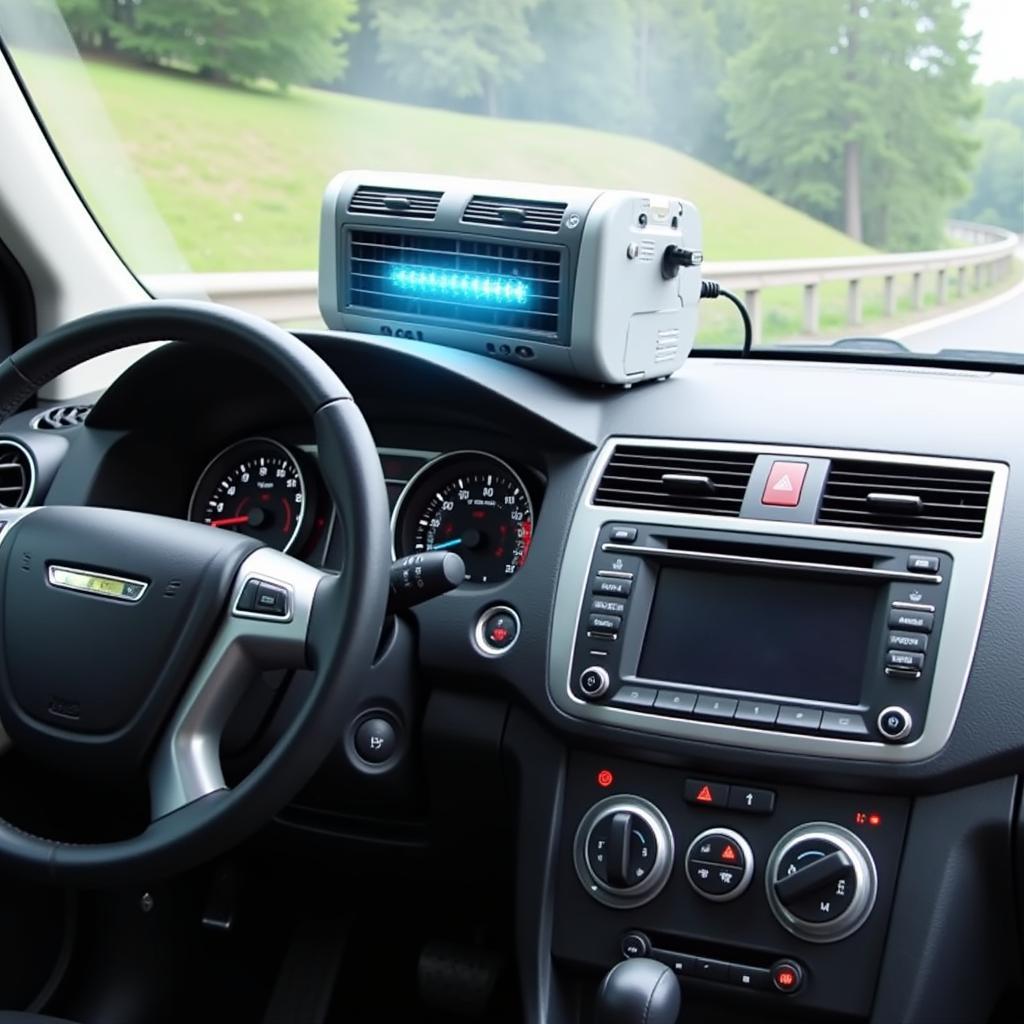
{"x": 732, "y": 680}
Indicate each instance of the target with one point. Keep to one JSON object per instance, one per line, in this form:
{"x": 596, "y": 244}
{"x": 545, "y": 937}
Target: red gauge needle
{"x": 230, "y": 521}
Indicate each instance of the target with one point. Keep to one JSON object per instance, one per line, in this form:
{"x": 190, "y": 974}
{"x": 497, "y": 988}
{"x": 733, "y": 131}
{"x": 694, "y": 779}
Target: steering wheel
{"x": 128, "y": 639}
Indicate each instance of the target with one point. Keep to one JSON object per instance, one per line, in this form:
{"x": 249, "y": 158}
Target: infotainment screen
{"x": 760, "y": 632}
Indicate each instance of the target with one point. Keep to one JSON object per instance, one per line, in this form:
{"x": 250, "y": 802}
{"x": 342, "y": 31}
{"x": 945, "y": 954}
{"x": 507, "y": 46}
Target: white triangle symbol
{"x": 783, "y": 484}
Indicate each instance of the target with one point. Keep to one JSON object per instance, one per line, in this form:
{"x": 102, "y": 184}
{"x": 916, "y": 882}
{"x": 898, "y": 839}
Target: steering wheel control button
{"x": 376, "y": 740}
{"x": 719, "y": 864}
{"x": 623, "y": 851}
{"x": 497, "y": 631}
{"x": 247, "y": 599}
{"x": 261, "y": 599}
{"x": 784, "y": 484}
{"x": 923, "y": 563}
{"x": 821, "y": 882}
{"x": 706, "y": 794}
{"x": 752, "y": 801}
{"x": 634, "y": 944}
{"x": 787, "y": 976}
{"x": 894, "y": 723}
{"x": 593, "y": 683}
{"x": 272, "y": 600}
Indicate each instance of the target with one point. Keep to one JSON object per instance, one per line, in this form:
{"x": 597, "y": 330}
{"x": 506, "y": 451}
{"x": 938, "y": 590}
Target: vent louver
{"x": 914, "y": 498}
{"x": 487, "y": 283}
{"x": 514, "y": 213}
{"x": 676, "y": 480}
{"x": 394, "y": 202}
{"x": 62, "y": 417}
{"x": 17, "y": 475}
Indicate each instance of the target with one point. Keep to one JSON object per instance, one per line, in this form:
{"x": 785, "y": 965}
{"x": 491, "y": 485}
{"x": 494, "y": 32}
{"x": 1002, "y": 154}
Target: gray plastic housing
{"x": 620, "y": 320}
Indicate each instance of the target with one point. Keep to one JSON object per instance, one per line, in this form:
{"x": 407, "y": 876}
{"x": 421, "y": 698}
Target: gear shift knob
{"x": 639, "y": 991}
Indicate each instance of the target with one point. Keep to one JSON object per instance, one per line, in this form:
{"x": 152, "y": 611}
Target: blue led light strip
{"x": 454, "y": 284}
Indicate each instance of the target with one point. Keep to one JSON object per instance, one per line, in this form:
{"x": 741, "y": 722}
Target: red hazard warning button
{"x": 785, "y": 482}
{"x": 708, "y": 794}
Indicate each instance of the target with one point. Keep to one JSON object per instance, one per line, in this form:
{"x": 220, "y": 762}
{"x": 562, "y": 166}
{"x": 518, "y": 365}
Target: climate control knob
{"x": 821, "y": 882}
{"x": 719, "y": 864}
{"x": 623, "y": 851}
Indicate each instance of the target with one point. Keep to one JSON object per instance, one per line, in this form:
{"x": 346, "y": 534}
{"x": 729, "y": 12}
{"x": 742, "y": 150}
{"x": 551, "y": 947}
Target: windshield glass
{"x": 858, "y": 164}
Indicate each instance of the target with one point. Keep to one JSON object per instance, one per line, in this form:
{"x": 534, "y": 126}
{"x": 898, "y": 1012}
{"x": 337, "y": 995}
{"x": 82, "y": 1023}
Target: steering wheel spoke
{"x": 265, "y": 627}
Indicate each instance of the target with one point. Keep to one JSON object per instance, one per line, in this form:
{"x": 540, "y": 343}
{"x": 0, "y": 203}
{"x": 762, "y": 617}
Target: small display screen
{"x": 764, "y": 633}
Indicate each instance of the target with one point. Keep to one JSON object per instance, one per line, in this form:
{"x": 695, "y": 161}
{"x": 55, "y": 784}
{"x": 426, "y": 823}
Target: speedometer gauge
{"x": 470, "y": 503}
{"x": 255, "y": 487}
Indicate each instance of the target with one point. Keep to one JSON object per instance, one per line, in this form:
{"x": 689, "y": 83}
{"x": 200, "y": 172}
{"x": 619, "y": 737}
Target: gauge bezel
{"x": 300, "y": 519}
{"x": 462, "y": 453}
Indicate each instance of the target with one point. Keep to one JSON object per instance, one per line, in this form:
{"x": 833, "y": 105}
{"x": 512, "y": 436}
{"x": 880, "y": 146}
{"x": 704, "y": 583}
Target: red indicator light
{"x": 785, "y": 979}
{"x": 605, "y": 778}
{"x": 874, "y": 819}
{"x": 871, "y": 818}
{"x": 860, "y": 818}
{"x": 704, "y": 796}
{"x": 728, "y": 853}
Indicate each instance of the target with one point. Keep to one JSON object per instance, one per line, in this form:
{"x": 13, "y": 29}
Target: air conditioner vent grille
{"x": 671, "y": 479}
{"x": 514, "y": 213}
{"x": 17, "y": 475}
{"x": 934, "y": 499}
{"x": 62, "y": 417}
{"x": 472, "y": 280}
{"x": 395, "y": 202}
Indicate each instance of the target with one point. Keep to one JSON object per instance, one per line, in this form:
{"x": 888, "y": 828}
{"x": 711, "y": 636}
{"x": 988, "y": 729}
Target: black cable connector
{"x": 713, "y": 290}
{"x": 675, "y": 256}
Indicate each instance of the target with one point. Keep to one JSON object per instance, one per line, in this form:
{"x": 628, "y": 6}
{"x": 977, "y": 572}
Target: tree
{"x": 457, "y": 49}
{"x": 857, "y": 111}
{"x": 285, "y": 41}
{"x": 997, "y": 195}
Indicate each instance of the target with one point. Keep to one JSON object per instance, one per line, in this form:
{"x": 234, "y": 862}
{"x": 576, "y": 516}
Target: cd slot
{"x": 787, "y": 564}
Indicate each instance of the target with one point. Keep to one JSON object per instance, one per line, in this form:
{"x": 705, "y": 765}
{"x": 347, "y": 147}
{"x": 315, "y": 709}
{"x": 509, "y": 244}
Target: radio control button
{"x": 798, "y": 719}
{"x": 894, "y": 724}
{"x": 617, "y": 565}
{"x": 623, "y": 534}
{"x": 635, "y": 697}
{"x": 719, "y": 708}
{"x": 675, "y": 702}
{"x": 844, "y": 725}
{"x": 923, "y": 563}
{"x": 907, "y": 642}
{"x": 605, "y": 623}
{"x": 594, "y": 682}
{"x": 752, "y": 801}
{"x": 904, "y": 660}
{"x": 612, "y": 586}
{"x": 756, "y": 713}
{"x": 911, "y": 621}
{"x": 608, "y": 606}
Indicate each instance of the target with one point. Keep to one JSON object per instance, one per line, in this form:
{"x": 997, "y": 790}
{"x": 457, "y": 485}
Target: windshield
{"x": 858, "y": 164}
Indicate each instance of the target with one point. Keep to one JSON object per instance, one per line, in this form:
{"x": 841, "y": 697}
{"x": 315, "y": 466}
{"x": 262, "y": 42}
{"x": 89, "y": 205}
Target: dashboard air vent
{"x": 17, "y": 475}
{"x": 505, "y": 285}
{"x": 514, "y": 213}
{"x": 899, "y": 496}
{"x": 62, "y": 417}
{"x": 676, "y": 480}
{"x": 403, "y": 202}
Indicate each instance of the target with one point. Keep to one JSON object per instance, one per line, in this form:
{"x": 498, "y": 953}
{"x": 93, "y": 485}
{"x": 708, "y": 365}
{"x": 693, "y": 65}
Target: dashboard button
{"x": 756, "y": 712}
{"x": 905, "y": 660}
{"x": 749, "y": 977}
{"x": 500, "y": 630}
{"x": 722, "y": 708}
{"x": 376, "y": 740}
{"x": 594, "y": 682}
{"x": 247, "y": 599}
{"x": 719, "y": 864}
{"x": 612, "y": 586}
{"x": 911, "y": 621}
{"x": 607, "y": 606}
{"x": 710, "y": 970}
{"x": 923, "y": 563}
{"x": 706, "y": 794}
{"x": 798, "y": 719}
{"x": 787, "y": 976}
{"x": 272, "y": 600}
{"x": 635, "y": 697}
{"x": 634, "y": 944}
{"x": 604, "y": 623}
{"x": 623, "y": 534}
{"x": 844, "y": 725}
{"x": 907, "y": 642}
{"x": 675, "y": 702}
{"x": 894, "y": 723}
{"x": 753, "y": 801}
{"x": 626, "y": 566}
{"x": 784, "y": 484}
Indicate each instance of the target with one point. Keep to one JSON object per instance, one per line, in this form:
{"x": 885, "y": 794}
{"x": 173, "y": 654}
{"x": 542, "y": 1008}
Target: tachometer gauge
{"x": 470, "y": 503}
{"x": 255, "y": 487}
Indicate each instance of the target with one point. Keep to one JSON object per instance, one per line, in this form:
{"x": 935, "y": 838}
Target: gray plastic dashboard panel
{"x": 968, "y": 592}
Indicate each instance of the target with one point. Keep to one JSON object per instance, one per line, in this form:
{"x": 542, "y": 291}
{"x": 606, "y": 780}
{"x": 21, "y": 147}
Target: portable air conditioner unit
{"x": 566, "y": 280}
